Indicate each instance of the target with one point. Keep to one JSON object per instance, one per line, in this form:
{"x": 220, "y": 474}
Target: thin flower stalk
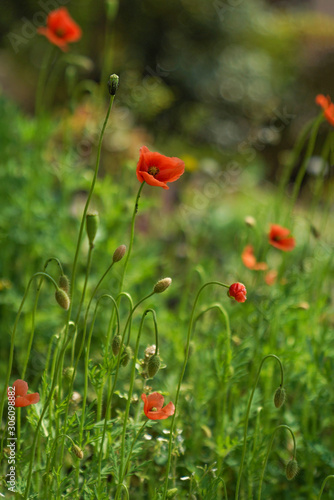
{"x": 190, "y": 329}
{"x": 111, "y": 393}
{"x": 11, "y": 352}
{"x": 87, "y": 351}
{"x": 324, "y": 484}
{"x": 46, "y": 405}
{"x": 247, "y": 417}
{"x": 221, "y": 407}
{"x": 130, "y": 391}
{"x": 283, "y": 426}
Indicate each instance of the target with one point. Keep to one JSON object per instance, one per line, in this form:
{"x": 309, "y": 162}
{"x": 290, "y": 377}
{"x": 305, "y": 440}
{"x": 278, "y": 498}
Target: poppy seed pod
{"x": 113, "y": 84}
{"x": 279, "y": 397}
{"x": 291, "y": 470}
{"x": 127, "y": 355}
{"x": 62, "y": 298}
{"x": 77, "y": 451}
{"x": 162, "y": 285}
{"x": 92, "y": 223}
{"x": 64, "y": 283}
{"x": 153, "y": 365}
{"x": 119, "y": 253}
{"x": 116, "y": 344}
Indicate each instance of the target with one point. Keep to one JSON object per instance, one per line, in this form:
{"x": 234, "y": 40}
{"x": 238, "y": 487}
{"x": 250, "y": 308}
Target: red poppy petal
{"x": 169, "y": 409}
{"x": 33, "y": 398}
{"x": 323, "y": 101}
{"x": 152, "y": 181}
{"x": 21, "y": 387}
{"x": 171, "y": 174}
{"x": 155, "y": 400}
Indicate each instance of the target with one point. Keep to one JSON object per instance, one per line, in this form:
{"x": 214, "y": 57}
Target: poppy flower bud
{"x": 113, "y": 84}
{"x": 77, "y": 451}
{"x": 119, "y": 253}
{"x": 62, "y": 298}
{"x": 238, "y": 292}
{"x": 92, "y": 223}
{"x": 127, "y": 355}
{"x": 64, "y": 283}
{"x": 279, "y": 397}
{"x": 150, "y": 351}
{"x": 153, "y": 365}
{"x": 291, "y": 470}
{"x": 116, "y": 344}
{"x": 162, "y": 285}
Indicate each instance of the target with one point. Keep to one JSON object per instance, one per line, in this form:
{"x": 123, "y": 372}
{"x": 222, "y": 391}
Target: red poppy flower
{"x": 61, "y": 29}
{"x": 157, "y": 169}
{"x": 249, "y": 259}
{"x": 21, "y": 396}
{"x": 153, "y": 406}
{"x": 327, "y": 106}
{"x": 238, "y": 292}
{"x": 280, "y": 238}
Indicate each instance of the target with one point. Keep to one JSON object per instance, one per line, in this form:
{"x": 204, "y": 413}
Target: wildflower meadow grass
{"x": 163, "y": 335}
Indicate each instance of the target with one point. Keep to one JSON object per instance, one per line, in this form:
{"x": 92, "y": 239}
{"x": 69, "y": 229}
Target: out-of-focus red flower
{"x": 280, "y": 237}
{"x": 61, "y": 29}
{"x": 153, "y": 406}
{"x": 238, "y": 292}
{"x": 270, "y": 277}
{"x": 157, "y": 169}
{"x": 22, "y": 398}
{"x": 327, "y": 106}
{"x": 249, "y": 260}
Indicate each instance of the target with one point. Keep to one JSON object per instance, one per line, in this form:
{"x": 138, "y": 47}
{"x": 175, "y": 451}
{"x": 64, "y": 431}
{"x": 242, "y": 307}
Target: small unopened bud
{"x": 127, "y": 355}
{"x": 77, "y": 451}
{"x": 116, "y": 344}
{"x": 291, "y": 470}
{"x": 119, "y": 253}
{"x": 62, "y": 298}
{"x": 279, "y": 397}
{"x": 92, "y": 223}
{"x": 162, "y": 285}
{"x": 64, "y": 283}
{"x": 153, "y": 365}
{"x": 113, "y": 84}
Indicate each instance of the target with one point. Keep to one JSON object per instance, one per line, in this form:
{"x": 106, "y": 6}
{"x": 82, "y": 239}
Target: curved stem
{"x": 83, "y": 294}
{"x": 324, "y": 484}
{"x": 111, "y": 393}
{"x": 42, "y": 80}
{"x": 11, "y": 352}
{"x": 46, "y": 405}
{"x": 247, "y": 417}
{"x": 128, "y": 403}
{"x": 190, "y": 329}
{"x": 269, "y": 450}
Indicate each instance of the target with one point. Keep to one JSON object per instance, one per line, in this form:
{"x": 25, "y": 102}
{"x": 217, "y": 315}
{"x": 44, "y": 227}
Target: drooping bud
{"x": 127, "y": 355}
{"x": 279, "y": 397}
{"x": 162, "y": 285}
{"x": 119, "y": 253}
{"x": 77, "y": 451}
{"x": 153, "y": 365}
{"x": 92, "y": 223}
{"x": 64, "y": 283}
{"x": 62, "y": 298}
{"x": 113, "y": 84}
{"x": 291, "y": 470}
{"x": 116, "y": 344}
